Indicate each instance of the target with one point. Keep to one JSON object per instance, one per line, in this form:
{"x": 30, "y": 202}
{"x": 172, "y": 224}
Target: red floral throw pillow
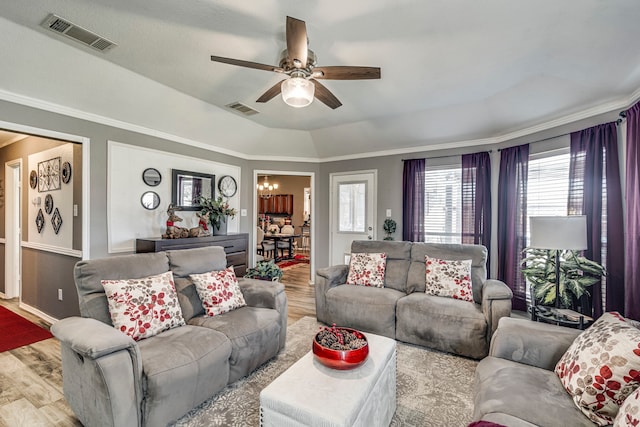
{"x": 629, "y": 413}
{"x": 450, "y": 279}
{"x": 602, "y": 367}
{"x": 367, "y": 269}
{"x": 219, "y": 291}
{"x": 142, "y": 308}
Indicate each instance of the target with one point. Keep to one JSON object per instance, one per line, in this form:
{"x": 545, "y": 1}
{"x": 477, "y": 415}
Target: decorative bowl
{"x": 341, "y": 359}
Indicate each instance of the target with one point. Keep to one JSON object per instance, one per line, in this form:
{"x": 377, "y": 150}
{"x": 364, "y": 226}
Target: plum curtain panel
{"x": 476, "y": 200}
{"x": 594, "y": 191}
{"x": 413, "y": 200}
{"x": 632, "y": 181}
{"x": 512, "y": 220}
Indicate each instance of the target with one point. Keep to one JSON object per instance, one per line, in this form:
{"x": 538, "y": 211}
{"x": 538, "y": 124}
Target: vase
{"x": 222, "y": 230}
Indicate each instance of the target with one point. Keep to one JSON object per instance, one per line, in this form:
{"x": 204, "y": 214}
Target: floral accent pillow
{"x": 367, "y": 269}
{"x": 219, "y": 291}
{"x": 629, "y": 413}
{"x": 142, "y": 308}
{"x": 450, "y": 279}
{"x": 602, "y": 367}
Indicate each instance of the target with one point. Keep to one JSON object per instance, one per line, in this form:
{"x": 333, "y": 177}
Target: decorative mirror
{"x": 33, "y": 179}
{"x": 151, "y": 177}
{"x": 66, "y": 172}
{"x": 150, "y": 200}
{"x": 48, "y": 204}
{"x": 187, "y": 187}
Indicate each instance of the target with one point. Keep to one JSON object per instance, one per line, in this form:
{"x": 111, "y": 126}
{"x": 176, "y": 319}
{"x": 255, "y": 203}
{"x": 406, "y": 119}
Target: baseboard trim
{"x": 36, "y": 312}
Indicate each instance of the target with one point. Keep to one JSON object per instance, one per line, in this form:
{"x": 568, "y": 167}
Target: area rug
{"x": 433, "y": 388}
{"x": 18, "y": 331}
{"x": 297, "y": 260}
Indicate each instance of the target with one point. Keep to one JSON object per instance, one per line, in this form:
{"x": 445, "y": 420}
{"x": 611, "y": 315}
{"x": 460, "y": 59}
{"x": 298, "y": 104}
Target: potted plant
{"x": 219, "y": 212}
{"x": 389, "y": 227}
{"x": 577, "y": 274}
{"x": 265, "y": 270}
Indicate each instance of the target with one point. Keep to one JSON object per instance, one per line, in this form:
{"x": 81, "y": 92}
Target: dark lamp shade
{"x": 558, "y": 232}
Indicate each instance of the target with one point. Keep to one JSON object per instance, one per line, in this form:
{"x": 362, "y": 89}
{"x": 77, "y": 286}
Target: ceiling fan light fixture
{"x": 297, "y": 92}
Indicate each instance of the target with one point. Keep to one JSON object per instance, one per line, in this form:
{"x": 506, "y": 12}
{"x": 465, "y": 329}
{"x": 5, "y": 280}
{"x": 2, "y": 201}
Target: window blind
{"x": 443, "y": 211}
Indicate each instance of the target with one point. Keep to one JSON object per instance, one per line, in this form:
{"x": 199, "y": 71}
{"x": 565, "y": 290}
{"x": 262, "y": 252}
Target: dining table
{"x": 280, "y": 237}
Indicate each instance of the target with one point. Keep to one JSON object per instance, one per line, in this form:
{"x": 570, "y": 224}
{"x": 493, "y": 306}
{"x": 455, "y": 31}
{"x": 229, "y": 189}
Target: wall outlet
{"x": 59, "y": 294}
{"x": 388, "y": 213}
{"x": 75, "y": 210}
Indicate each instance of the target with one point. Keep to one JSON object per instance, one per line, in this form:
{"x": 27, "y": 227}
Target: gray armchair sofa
{"x": 111, "y": 380}
{"x": 519, "y": 367}
{"x": 403, "y": 311}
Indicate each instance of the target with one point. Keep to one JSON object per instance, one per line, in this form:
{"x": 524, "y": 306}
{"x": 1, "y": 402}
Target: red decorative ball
{"x": 341, "y": 359}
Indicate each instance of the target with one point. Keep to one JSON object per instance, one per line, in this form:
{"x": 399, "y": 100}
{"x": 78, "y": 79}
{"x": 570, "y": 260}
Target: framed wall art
{"x": 49, "y": 175}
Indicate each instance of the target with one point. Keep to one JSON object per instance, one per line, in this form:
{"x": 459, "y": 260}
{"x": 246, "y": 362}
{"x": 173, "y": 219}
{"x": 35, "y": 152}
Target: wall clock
{"x": 228, "y": 186}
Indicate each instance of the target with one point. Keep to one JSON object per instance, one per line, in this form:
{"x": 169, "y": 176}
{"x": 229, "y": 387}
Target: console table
{"x": 234, "y": 244}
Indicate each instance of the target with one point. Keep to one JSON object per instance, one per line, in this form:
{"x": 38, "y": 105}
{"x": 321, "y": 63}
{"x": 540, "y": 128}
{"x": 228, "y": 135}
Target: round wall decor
{"x": 48, "y": 204}
{"x": 66, "y": 172}
{"x": 152, "y": 177}
{"x": 227, "y": 186}
{"x": 150, "y": 200}
{"x": 33, "y": 179}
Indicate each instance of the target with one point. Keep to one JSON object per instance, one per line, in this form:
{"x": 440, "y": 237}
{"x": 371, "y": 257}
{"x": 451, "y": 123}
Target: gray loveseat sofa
{"x": 403, "y": 311}
{"x": 111, "y": 380}
{"x": 519, "y": 368}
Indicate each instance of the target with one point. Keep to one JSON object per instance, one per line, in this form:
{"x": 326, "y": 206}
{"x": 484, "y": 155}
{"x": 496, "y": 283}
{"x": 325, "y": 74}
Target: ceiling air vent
{"x": 75, "y": 32}
{"x": 242, "y": 109}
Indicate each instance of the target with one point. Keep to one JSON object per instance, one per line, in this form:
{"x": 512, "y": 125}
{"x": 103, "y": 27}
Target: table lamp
{"x": 558, "y": 233}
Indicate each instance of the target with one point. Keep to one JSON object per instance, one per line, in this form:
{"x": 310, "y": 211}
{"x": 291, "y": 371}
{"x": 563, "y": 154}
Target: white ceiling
{"x": 452, "y": 71}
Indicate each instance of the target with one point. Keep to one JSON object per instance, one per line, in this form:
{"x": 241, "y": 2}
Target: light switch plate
{"x": 388, "y": 213}
{"x": 243, "y": 212}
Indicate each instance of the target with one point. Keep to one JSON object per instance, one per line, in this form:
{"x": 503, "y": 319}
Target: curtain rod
{"x": 442, "y": 157}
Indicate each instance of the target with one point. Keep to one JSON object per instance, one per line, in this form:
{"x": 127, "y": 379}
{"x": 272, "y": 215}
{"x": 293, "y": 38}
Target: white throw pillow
{"x": 367, "y": 269}
{"x": 601, "y": 368}
{"x": 219, "y": 291}
{"x": 142, "y": 308}
{"x": 629, "y": 413}
{"x": 448, "y": 278}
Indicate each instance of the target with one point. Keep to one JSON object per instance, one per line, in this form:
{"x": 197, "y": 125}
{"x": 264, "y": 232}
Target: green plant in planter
{"x": 389, "y": 227}
{"x": 577, "y": 274}
{"x": 217, "y": 209}
{"x": 265, "y": 270}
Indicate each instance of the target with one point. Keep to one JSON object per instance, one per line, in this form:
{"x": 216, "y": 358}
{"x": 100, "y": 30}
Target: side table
{"x": 560, "y": 317}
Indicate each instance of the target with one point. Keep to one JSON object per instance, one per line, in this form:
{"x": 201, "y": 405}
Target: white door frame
{"x": 12, "y": 228}
{"x": 374, "y": 196}
{"x": 254, "y": 222}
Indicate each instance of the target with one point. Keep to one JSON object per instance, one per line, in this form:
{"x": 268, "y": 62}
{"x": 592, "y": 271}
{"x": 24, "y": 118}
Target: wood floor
{"x": 31, "y": 376}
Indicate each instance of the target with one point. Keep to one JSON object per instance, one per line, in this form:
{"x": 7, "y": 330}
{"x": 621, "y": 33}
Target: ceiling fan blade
{"x": 325, "y": 96}
{"x": 297, "y": 42}
{"x": 271, "y": 92}
{"x": 247, "y": 64}
{"x": 338, "y": 72}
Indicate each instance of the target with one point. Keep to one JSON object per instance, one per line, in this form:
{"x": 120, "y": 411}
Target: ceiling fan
{"x": 298, "y": 62}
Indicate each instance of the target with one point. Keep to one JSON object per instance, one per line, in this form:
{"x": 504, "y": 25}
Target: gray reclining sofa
{"x": 111, "y": 380}
{"x": 519, "y": 368}
{"x": 403, "y": 311}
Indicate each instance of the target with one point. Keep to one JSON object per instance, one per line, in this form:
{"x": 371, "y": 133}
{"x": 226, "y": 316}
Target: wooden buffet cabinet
{"x": 278, "y": 204}
{"x": 235, "y": 246}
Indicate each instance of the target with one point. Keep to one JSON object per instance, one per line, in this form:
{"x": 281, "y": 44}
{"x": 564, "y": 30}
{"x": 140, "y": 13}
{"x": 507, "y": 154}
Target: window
{"x": 352, "y": 209}
{"x": 548, "y": 184}
{"x": 443, "y": 200}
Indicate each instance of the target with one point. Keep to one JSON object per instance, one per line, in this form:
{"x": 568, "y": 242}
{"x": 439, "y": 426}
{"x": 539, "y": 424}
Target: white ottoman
{"x": 310, "y": 394}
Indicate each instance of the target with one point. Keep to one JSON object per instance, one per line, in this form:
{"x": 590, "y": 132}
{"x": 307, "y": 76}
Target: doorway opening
{"x": 285, "y": 203}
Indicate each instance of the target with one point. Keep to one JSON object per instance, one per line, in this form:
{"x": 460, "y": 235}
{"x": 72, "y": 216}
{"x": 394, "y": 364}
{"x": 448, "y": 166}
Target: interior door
{"x": 353, "y": 212}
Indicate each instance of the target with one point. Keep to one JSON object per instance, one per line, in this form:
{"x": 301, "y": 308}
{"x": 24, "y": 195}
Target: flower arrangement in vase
{"x": 219, "y": 212}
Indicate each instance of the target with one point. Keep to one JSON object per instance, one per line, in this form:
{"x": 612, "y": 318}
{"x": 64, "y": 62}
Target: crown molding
{"x": 619, "y": 104}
